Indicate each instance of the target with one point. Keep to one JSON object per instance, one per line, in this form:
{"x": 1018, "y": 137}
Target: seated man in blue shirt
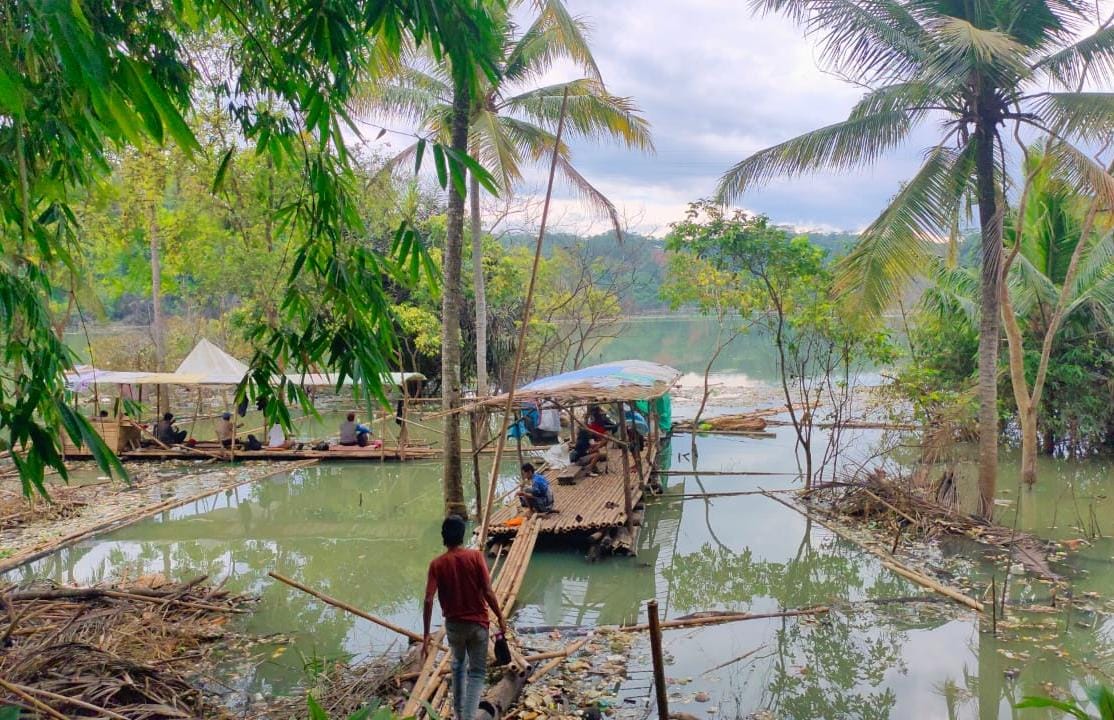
{"x": 538, "y": 496}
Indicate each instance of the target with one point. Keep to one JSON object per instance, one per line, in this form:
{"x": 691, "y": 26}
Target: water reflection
{"x": 365, "y": 533}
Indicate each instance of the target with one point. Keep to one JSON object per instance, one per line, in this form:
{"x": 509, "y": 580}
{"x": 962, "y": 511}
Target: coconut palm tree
{"x": 982, "y": 70}
{"x": 511, "y": 124}
{"x": 1059, "y": 271}
{"x": 513, "y": 121}
{"x": 1060, "y": 267}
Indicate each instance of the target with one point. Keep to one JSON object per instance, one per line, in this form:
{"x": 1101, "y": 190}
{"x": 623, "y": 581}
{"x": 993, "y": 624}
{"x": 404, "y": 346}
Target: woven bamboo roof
{"x": 626, "y": 380}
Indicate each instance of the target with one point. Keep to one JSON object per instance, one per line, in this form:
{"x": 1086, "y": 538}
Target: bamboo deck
{"x": 334, "y": 453}
{"x": 593, "y": 503}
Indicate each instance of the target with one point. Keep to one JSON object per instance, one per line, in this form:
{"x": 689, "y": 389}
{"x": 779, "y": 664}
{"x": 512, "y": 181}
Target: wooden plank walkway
{"x": 593, "y": 503}
{"x": 432, "y": 685}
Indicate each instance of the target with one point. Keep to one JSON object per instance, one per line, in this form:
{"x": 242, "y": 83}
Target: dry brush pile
{"x": 906, "y": 509}
{"x": 138, "y": 651}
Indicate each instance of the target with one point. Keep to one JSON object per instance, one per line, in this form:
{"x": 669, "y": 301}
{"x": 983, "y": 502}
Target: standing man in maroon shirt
{"x": 459, "y": 579}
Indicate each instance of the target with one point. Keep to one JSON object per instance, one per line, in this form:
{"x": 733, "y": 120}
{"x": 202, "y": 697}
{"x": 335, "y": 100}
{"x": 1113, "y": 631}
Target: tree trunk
{"x": 479, "y": 289}
{"x": 450, "y": 310}
{"x": 158, "y": 332}
{"x": 989, "y": 320}
{"x": 1026, "y": 402}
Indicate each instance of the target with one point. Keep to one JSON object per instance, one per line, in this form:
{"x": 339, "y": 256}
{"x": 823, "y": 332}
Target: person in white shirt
{"x": 277, "y": 440}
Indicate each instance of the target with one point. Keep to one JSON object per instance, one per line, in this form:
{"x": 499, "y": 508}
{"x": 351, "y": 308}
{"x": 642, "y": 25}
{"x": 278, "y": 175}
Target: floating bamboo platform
{"x": 591, "y": 505}
{"x": 213, "y": 451}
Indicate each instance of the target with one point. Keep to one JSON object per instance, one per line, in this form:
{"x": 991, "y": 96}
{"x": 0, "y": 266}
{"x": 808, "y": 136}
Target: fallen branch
{"x": 725, "y": 618}
{"x": 560, "y": 658}
{"x": 888, "y": 561}
{"x": 744, "y": 656}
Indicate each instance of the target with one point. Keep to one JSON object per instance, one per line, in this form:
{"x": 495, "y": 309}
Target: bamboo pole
{"x": 21, "y": 692}
{"x": 472, "y": 419}
{"x": 557, "y": 658}
{"x": 628, "y": 505}
{"x": 721, "y": 619}
{"x": 525, "y": 323}
{"x": 659, "y": 663}
{"x": 891, "y": 563}
{"x": 347, "y": 607}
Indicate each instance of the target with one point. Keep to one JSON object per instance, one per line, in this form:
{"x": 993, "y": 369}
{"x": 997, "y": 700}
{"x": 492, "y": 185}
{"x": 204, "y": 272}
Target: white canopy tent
{"x": 208, "y": 364}
{"x": 213, "y": 365}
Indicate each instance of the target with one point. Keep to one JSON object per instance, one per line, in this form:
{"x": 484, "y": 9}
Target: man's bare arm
{"x": 489, "y": 596}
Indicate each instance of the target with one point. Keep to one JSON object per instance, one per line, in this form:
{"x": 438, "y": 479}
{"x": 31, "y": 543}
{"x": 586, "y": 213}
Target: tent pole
{"x": 627, "y": 502}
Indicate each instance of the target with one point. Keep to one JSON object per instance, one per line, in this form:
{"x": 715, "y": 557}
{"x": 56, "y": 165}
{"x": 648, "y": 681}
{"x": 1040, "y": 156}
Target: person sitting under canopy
{"x": 167, "y": 433}
{"x": 537, "y": 495}
{"x": 356, "y": 433}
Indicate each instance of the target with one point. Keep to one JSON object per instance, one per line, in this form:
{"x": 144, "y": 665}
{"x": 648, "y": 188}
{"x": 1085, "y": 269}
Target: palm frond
{"x": 1082, "y": 174}
{"x": 1096, "y": 267}
{"x": 1030, "y": 286}
{"x": 897, "y": 246}
{"x": 953, "y": 289}
{"x": 960, "y": 48}
{"x": 872, "y": 40}
{"x": 1086, "y": 115}
{"x": 591, "y": 112}
{"x": 593, "y": 197}
{"x": 1092, "y": 57}
{"x": 532, "y": 141}
{"x": 852, "y": 143}
{"x": 553, "y": 34}
{"x": 494, "y": 149}
{"x": 394, "y": 164}
{"x": 911, "y": 97}
{"x": 409, "y": 93}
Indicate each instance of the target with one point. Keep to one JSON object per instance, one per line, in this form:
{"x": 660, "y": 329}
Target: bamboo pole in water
{"x": 659, "y": 663}
{"x": 525, "y": 323}
{"x": 346, "y": 607}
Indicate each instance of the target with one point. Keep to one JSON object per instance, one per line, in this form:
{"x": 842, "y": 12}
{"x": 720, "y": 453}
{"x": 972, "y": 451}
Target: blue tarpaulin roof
{"x": 619, "y": 380}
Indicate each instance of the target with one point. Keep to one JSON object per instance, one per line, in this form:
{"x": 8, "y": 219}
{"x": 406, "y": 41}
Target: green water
{"x": 365, "y": 533}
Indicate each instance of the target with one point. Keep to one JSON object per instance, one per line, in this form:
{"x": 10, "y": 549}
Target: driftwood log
{"x": 501, "y": 696}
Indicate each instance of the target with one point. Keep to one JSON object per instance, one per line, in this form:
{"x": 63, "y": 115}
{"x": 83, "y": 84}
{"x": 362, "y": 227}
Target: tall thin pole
{"x": 473, "y": 419}
{"x": 628, "y": 503}
{"x": 659, "y": 664}
{"x": 501, "y": 443}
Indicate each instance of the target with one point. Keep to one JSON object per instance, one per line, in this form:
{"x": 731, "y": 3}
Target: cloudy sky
{"x": 717, "y": 83}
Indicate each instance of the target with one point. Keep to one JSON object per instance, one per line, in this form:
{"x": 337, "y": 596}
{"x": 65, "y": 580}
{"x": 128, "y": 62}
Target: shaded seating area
{"x": 212, "y": 373}
{"x": 600, "y": 508}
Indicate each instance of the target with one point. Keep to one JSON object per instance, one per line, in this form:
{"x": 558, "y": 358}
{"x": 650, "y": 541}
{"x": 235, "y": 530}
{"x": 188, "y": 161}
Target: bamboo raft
{"x": 213, "y": 451}
{"x": 591, "y": 505}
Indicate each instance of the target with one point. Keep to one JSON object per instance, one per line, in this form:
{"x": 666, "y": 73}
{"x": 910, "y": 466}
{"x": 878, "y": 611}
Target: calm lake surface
{"x": 365, "y": 533}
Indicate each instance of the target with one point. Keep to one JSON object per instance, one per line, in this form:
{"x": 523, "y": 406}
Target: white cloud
{"x": 716, "y": 84}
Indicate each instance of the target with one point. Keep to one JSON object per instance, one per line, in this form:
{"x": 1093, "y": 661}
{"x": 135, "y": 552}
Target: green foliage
{"x": 9, "y": 712}
{"x": 944, "y": 335}
{"x": 373, "y": 711}
{"x": 783, "y": 285}
{"x": 967, "y": 63}
{"x": 83, "y": 82}
{"x": 1100, "y": 696}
